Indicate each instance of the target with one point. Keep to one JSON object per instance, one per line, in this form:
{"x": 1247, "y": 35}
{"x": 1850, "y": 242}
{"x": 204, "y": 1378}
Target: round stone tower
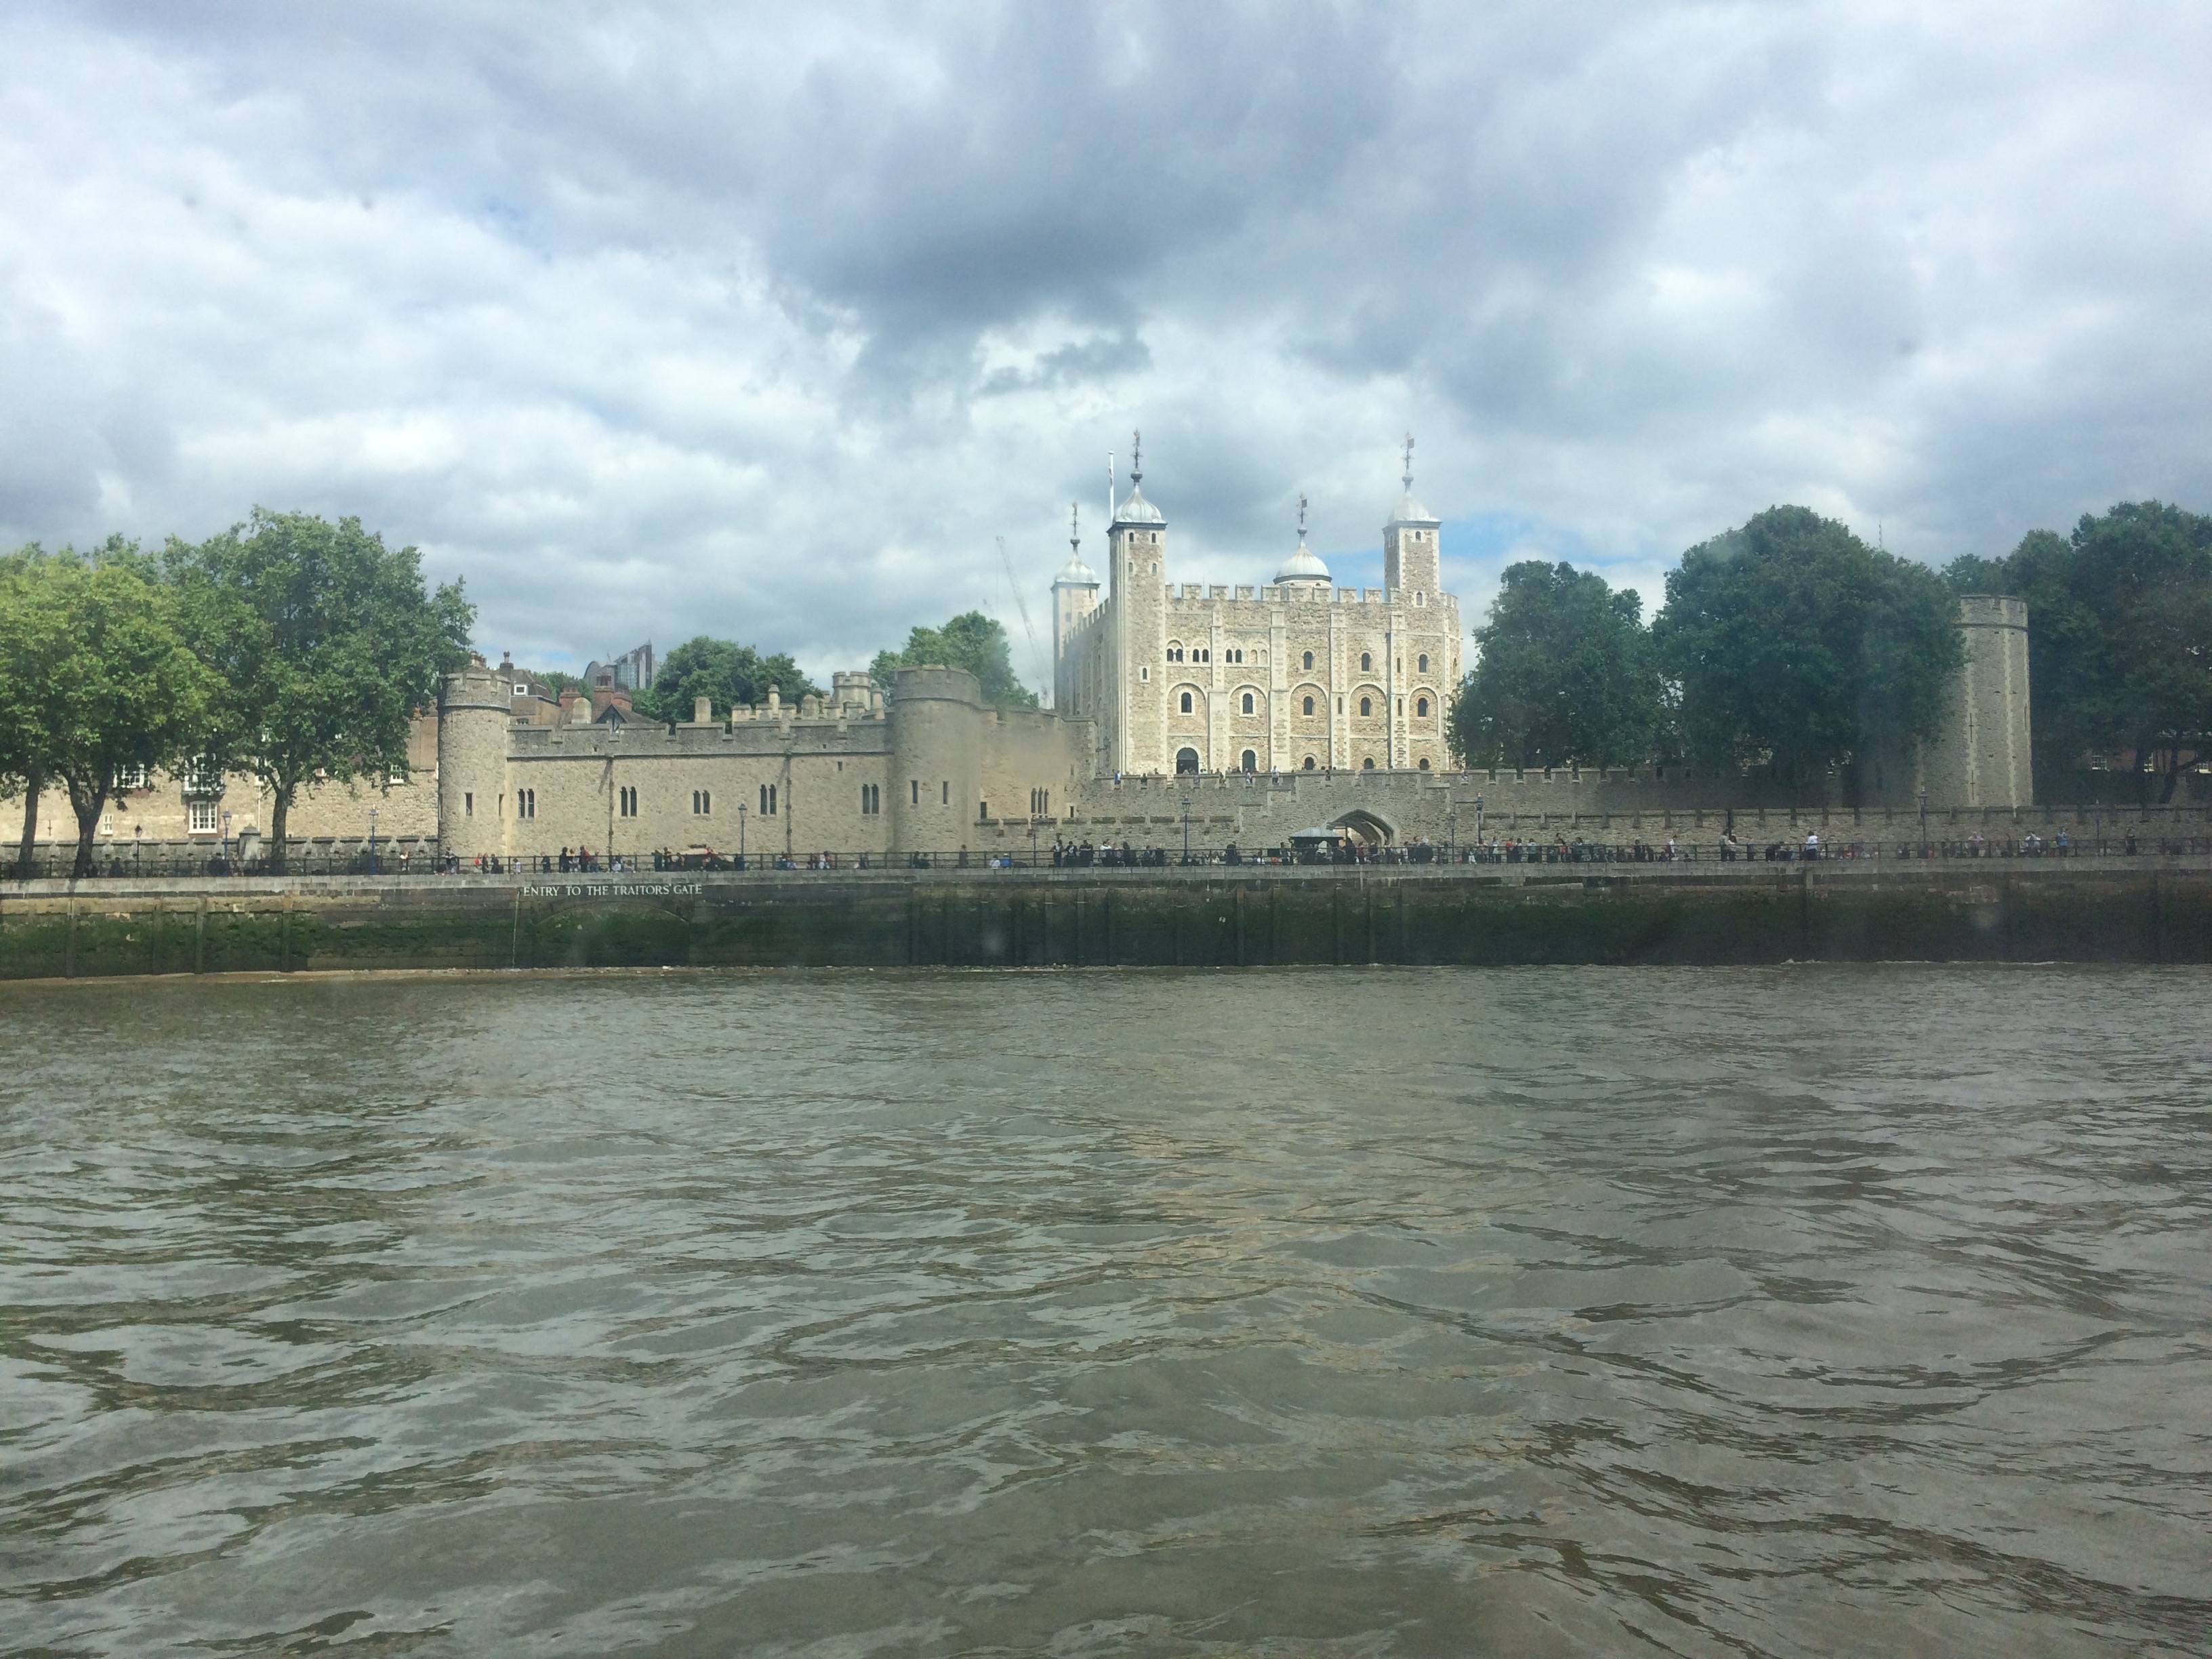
{"x": 474, "y": 708}
{"x": 937, "y": 759}
{"x": 1981, "y": 757}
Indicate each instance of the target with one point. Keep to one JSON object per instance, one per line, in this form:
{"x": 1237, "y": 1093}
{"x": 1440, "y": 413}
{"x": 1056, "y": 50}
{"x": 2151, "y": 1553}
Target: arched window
{"x": 1420, "y": 705}
{"x": 1309, "y": 765}
{"x": 1367, "y": 765}
{"x": 1308, "y": 705}
{"x": 1186, "y": 760}
{"x": 1248, "y": 703}
{"x": 1367, "y": 705}
{"x": 1366, "y": 662}
{"x": 1251, "y": 762}
{"x": 1423, "y": 661}
{"x": 1309, "y": 665}
{"x": 1186, "y": 702}
{"x": 1425, "y": 763}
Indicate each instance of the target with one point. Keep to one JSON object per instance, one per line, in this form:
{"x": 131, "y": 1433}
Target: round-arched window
{"x": 1309, "y": 765}
{"x": 1366, "y": 662}
{"x": 1309, "y": 665}
{"x": 1425, "y": 763}
{"x": 1251, "y": 761}
{"x": 1424, "y": 662}
{"x": 1186, "y": 760}
{"x": 1186, "y": 702}
{"x": 1420, "y": 705}
{"x": 1308, "y": 705}
{"x": 1366, "y": 705}
{"x": 1248, "y": 703}
{"x": 1367, "y": 765}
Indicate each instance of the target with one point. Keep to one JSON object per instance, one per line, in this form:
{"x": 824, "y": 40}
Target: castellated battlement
{"x": 1992, "y": 610}
{"x": 1257, "y": 598}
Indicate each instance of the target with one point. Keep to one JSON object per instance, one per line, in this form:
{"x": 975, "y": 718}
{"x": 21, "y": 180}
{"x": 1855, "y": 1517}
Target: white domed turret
{"x": 1075, "y": 573}
{"x": 1303, "y": 569}
{"x": 1135, "y": 509}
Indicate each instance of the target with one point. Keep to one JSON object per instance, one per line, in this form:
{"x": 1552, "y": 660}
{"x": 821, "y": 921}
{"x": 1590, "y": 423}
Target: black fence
{"x": 409, "y": 861}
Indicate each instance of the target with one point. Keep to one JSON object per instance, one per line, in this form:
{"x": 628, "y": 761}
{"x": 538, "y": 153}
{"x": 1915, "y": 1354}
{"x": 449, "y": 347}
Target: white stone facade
{"x": 1294, "y": 675}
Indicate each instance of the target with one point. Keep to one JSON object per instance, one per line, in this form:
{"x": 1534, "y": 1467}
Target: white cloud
{"x": 765, "y": 324}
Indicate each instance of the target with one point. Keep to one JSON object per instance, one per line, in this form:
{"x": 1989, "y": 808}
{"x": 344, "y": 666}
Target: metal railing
{"x": 52, "y": 863}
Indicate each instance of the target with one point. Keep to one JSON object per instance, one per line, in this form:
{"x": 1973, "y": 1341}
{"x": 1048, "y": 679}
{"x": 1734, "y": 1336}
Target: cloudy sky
{"x": 663, "y": 319}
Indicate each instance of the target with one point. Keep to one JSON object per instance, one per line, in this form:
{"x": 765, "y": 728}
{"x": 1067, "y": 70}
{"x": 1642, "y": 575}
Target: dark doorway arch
{"x": 1186, "y": 760}
{"x": 1251, "y": 762}
{"x": 1370, "y": 827}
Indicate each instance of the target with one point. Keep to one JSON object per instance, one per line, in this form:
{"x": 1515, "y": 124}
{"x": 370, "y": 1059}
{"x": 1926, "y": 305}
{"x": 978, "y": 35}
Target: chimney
{"x": 606, "y": 695}
{"x": 703, "y": 711}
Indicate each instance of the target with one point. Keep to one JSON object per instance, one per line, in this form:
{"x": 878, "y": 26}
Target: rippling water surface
{"x": 1794, "y": 1311}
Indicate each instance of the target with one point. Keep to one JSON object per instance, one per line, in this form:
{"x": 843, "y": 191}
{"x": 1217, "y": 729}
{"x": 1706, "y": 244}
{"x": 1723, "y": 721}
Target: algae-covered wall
{"x": 1983, "y": 911}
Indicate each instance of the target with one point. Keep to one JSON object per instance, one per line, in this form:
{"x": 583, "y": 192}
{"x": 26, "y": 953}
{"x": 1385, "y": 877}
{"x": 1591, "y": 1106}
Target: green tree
{"x": 96, "y": 678}
{"x": 1567, "y": 672}
{"x": 327, "y": 644}
{"x": 1795, "y": 646}
{"x": 971, "y": 640}
{"x": 30, "y": 639}
{"x": 724, "y": 672}
{"x": 2119, "y": 635}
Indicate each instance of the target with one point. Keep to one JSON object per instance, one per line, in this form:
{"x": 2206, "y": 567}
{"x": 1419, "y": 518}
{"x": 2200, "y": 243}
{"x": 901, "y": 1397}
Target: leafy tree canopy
{"x": 1567, "y": 672}
{"x": 971, "y": 640}
{"x": 96, "y": 678}
{"x": 1794, "y": 645}
{"x": 724, "y": 672}
{"x": 326, "y": 643}
{"x": 2119, "y": 634}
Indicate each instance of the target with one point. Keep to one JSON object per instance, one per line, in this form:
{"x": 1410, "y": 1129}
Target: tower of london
{"x": 1296, "y": 674}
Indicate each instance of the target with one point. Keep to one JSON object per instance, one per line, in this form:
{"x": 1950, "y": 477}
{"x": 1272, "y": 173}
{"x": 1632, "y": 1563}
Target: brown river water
{"x": 1788, "y": 1311}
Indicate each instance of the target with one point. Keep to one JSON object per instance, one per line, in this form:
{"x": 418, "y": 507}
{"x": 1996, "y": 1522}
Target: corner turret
{"x": 474, "y": 708}
{"x": 1411, "y": 562}
{"x": 1303, "y": 569}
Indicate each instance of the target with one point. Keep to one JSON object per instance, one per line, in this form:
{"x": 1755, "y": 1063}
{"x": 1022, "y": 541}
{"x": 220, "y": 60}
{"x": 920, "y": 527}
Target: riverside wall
{"x": 2141, "y": 909}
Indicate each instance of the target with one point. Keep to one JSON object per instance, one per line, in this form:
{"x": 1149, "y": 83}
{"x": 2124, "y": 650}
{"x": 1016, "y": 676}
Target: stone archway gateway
{"x": 1186, "y": 760}
{"x": 1369, "y": 827}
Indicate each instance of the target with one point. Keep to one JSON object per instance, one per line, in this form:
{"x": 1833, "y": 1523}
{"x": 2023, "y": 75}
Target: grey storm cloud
{"x": 769, "y": 322}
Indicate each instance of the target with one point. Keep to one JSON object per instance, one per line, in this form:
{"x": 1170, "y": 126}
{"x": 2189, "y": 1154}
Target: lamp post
{"x": 372, "y": 840}
{"x": 1478, "y": 824}
{"x": 138, "y": 845}
{"x": 1186, "y": 828}
{"x": 741, "y": 835}
{"x": 227, "y": 869}
{"x": 1033, "y": 830}
{"x": 1924, "y": 824}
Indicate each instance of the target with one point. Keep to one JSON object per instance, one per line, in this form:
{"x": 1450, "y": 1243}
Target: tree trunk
{"x": 34, "y": 785}
{"x": 280, "y": 810}
{"x": 86, "y": 798}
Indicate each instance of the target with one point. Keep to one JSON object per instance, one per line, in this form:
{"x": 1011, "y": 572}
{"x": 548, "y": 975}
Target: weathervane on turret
{"x": 1409, "y": 463}
{"x": 1302, "y": 521}
{"x": 1074, "y": 534}
{"x": 1136, "y": 458}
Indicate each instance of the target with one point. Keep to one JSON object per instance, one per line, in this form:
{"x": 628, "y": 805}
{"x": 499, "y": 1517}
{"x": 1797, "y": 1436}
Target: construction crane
{"x": 1037, "y": 651}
